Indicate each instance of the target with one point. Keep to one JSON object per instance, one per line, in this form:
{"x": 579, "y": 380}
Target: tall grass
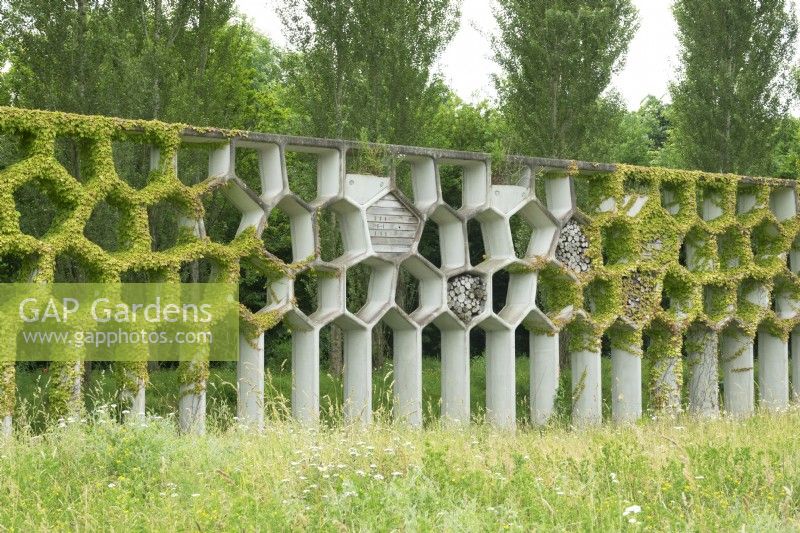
{"x": 97, "y": 474}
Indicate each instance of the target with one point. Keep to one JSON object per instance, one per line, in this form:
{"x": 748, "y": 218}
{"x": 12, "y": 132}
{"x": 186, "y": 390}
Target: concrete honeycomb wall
{"x": 669, "y": 265}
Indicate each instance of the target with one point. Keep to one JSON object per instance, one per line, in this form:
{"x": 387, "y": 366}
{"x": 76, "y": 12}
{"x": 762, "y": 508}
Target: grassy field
{"x": 96, "y": 474}
{"x": 99, "y": 475}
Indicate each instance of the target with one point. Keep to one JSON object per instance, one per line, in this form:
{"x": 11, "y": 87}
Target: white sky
{"x": 467, "y": 65}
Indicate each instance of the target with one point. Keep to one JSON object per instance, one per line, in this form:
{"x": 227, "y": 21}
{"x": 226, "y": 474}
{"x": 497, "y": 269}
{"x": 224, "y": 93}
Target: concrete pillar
{"x": 455, "y": 376}
{"x": 665, "y": 390}
{"x": 408, "y": 376}
{"x": 250, "y": 382}
{"x": 702, "y": 347}
{"x": 796, "y": 365}
{"x": 305, "y": 376}
{"x": 773, "y": 371}
{"x": 134, "y": 401}
{"x": 192, "y": 401}
{"x": 587, "y": 408}
{"x": 544, "y": 375}
{"x": 501, "y": 407}
{"x": 736, "y": 354}
{"x": 358, "y": 376}
{"x": 626, "y": 385}
{"x": 8, "y": 390}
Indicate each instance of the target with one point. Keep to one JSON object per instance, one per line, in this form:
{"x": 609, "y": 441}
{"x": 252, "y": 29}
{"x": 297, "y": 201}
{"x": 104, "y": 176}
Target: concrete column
{"x": 192, "y": 404}
{"x": 455, "y": 376}
{"x": 702, "y": 347}
{"x": 736, "y": 354}
{"x": 544, "y": 376}
{"x": 358, "y": 376}
{"x": 305, "y": 376}
{"x": 250, "y": 382}
{"x": 134, "y": 402}
{"x": 8, "y": 389}
{"x": 796, "y": 365}
{"x": 773, "y": 371}
{"x": 665, "y": 394}
{"x": 586, "y": 388}
{"x": 501, "y": 408}
{"x": 408, "y": 376}
{"x": 626, "y": 386}
{"x": 132, "y": 392}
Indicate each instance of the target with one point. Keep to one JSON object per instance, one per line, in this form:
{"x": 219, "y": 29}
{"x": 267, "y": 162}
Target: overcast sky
{"x": 467, "y": 66}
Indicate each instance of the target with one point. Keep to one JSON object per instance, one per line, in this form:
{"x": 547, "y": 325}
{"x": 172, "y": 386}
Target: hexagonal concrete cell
{"x": 766, "y": 242}
{"x": 451, "y": 238}
{"x": 752, "y": 291}
{"x": 783, "y": 202}
{"x": 348, "y": 239}
{"x": 710, "y": 202}
{"x": 110, "y": 226}
{"x": 416, "y": 178}
{"x": 297, "y": 217}
{"x": 698, "y": 251}
{"x": 718, "y": 303}
{"x": 785, "y": 300}
{"x": 671, "y": 198}
{"x": 420, "y": 289}
{"x": 253, "y": 214}
{"x": 18, "y": 267}
{"x": 50, "y": 210}
{"x": 269, "y": 177}
{"x": 732, "y": 248}
{"x": 678, "y": 294}
{"x": 557, "y": 192}
{"x": 793, "y": 257}
{"x": 599, "y": 298}
{"x": 496, "y": 235}
{"x": 520, "y": 297}
{"x": 370, "y": 288}
{"x": 746, "y": 198}
{"x": 313, "y": 172}
{"x": 619, "y": 242}
{"x": 533, "y": 231}
{"x": 557, "y": 291}
{"x": 393, "y": 225}
{"x": 473, "y": 180}
{"x": 321, "y": 293}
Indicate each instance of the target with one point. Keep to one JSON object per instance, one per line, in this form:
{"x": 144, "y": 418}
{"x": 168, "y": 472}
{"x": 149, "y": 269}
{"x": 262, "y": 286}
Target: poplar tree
{"x": 733, "y": 81}
{"x": 366, "y": 68}
{"x": 556, "y": 59}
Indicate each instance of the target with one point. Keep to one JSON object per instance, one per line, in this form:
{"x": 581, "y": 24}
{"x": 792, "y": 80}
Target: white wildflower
{"x": 633, "y": 509}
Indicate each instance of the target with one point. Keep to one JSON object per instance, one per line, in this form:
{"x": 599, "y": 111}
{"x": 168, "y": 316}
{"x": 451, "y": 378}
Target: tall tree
{"x": 556, "y": 58}
{"x": 366, "y": 67}
{"x": 732, "y": 88}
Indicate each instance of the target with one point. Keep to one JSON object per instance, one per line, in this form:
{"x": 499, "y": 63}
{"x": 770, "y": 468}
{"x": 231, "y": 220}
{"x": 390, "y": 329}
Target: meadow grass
{"x": 661, "y": 474}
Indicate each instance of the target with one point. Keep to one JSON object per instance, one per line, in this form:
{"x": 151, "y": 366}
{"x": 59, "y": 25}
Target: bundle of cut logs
{"x": 466, "y": 296}
{"x": 640, "y": 292}
{"x": 572, "y": 246}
